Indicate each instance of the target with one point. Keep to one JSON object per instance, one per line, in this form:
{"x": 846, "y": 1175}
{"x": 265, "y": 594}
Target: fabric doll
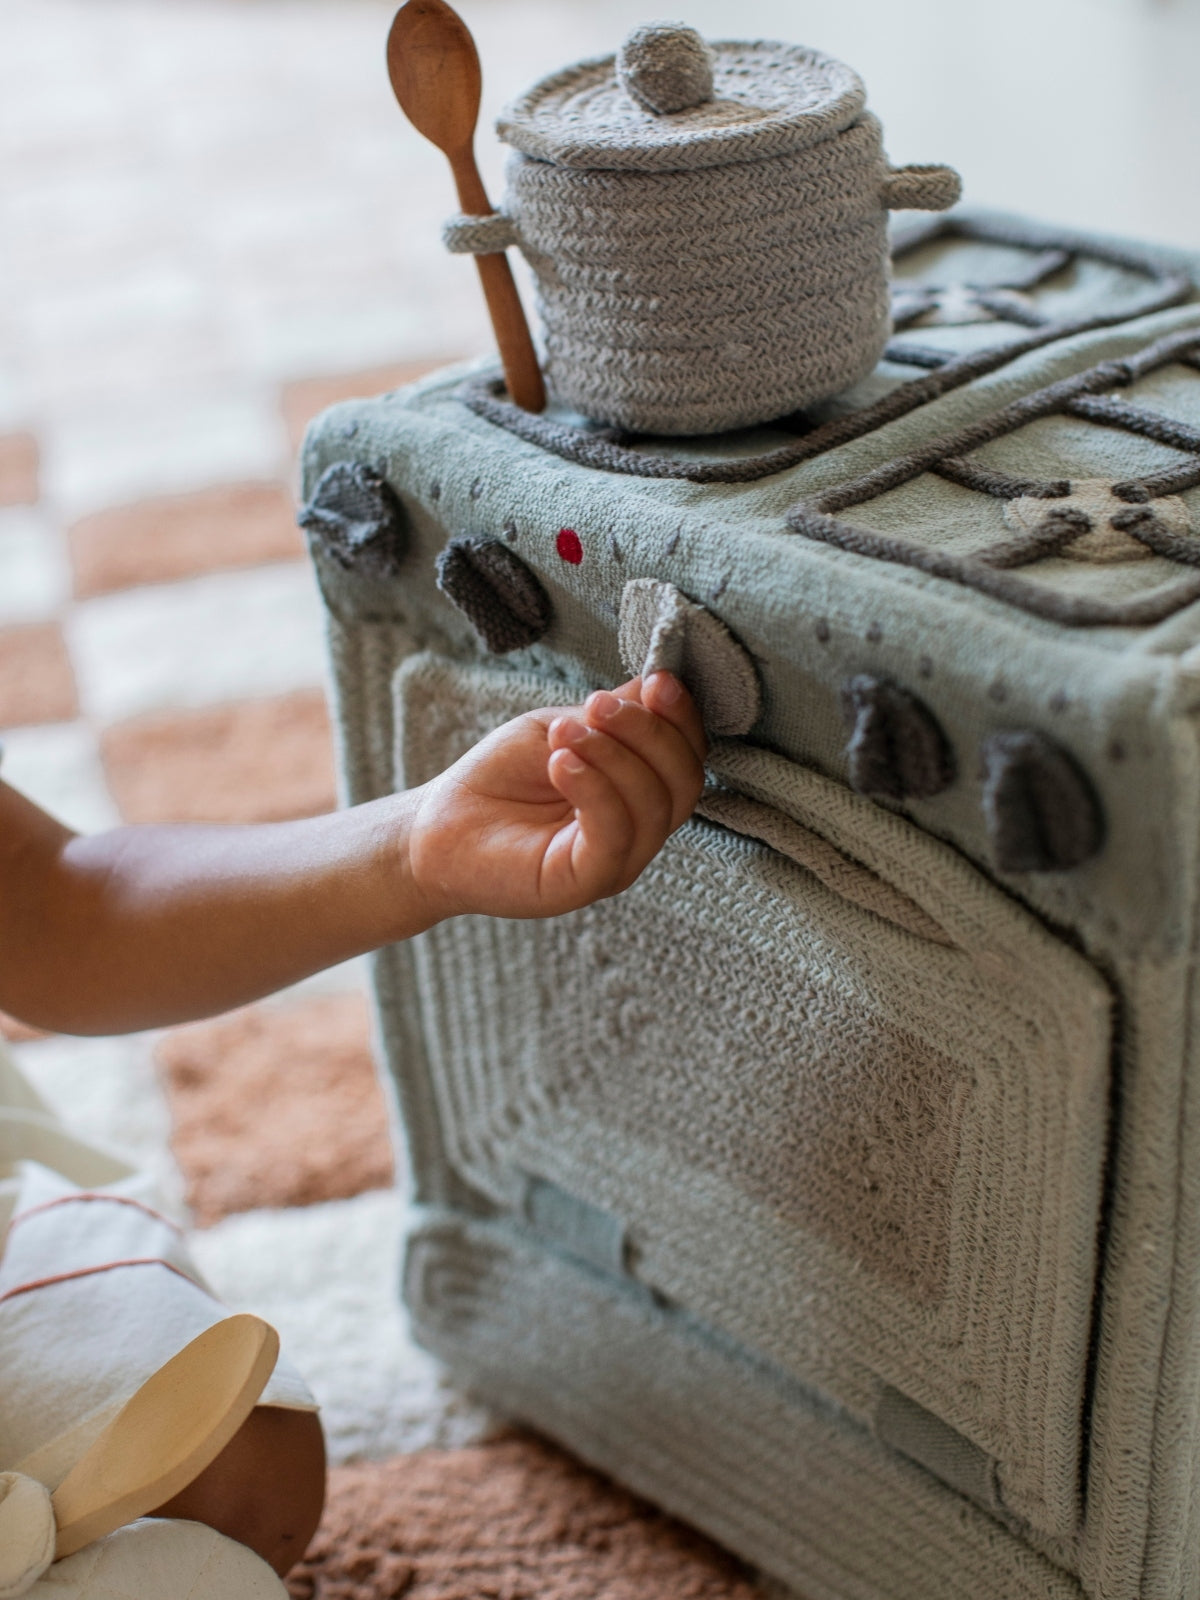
{"x": 97, "y": 1292}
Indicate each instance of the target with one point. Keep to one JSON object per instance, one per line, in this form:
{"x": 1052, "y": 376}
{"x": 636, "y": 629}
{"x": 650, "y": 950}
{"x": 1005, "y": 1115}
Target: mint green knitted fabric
{"x": 833, "y": 1187}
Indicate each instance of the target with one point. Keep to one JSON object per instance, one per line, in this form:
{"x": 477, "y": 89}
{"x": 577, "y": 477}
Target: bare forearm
{"x": 141, "y": 927}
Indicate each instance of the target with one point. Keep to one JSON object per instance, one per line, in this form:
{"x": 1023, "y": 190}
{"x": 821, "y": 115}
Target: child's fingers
{"x": 647, "y": 798}
{"x": 630, "y": 690}
{"x": 657, "y": 742}
{"x": 605, "y": 831}
{"x": 667, "y": 697}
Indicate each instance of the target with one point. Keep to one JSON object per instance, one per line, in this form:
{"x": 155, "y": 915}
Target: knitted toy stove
{"x": 838, "y": 1185}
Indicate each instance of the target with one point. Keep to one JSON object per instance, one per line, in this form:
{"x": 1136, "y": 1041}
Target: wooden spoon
{"x": 434, "y": 69}
{"x": 179, "y": 1421}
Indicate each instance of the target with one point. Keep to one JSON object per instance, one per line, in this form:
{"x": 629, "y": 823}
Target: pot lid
{"x": 667, "y": 100}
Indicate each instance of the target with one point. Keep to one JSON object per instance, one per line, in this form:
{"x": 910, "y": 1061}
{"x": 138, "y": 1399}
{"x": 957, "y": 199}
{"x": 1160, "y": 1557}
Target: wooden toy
{"x": 435, "y": 75}
{"x": 176, "y": 1424}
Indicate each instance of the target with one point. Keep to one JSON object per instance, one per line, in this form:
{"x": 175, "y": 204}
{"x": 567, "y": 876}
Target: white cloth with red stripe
{"x": 97, "y": 1291}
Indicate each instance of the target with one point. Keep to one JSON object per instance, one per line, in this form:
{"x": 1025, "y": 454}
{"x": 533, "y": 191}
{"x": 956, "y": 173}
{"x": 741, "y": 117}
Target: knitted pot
{"x": 707, "y": 226}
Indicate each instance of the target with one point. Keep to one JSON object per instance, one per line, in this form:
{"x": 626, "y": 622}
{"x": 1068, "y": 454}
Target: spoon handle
{"x": 521, "y": 371}
{"x": 522, "y": 374}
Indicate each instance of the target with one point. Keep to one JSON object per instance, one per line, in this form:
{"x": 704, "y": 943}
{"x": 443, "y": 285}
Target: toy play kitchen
{"x": 835, "y": 1186}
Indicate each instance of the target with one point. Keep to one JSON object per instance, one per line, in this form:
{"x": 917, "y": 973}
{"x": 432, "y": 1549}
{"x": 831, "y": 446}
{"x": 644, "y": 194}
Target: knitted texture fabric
{"x": 714, "y": 297}
{"x": 922, "y": 188}
{"x": 496, "y": 591}
{"x": 837, "y": 1185}
{"x": 808, "y": 849}
{"x": 707, "y": 228}
{"x": 661, "y": 630}
{"x": 358, "y": 518}
{"x": 712, "y": 1434}
{"x": 1099, "y": 530}
{"x": 1042, "y": 813}
{"x": 479, "y": 236}
{"x": 666, "y": 66}
{"x": 611, "y": 1065}
{"x": 767, "y": 100}
{"x": 896, "y": 751}
{"x": 1137, "y": 283}
{"x": 1126, "y": 595}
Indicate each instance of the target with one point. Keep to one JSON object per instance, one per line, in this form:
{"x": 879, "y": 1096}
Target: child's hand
{"x": 146, "y": 926}
{"x": 560, "y": 807}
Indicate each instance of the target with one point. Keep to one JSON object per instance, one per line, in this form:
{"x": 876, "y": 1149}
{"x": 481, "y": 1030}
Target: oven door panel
{"x": 834, "y": 1094}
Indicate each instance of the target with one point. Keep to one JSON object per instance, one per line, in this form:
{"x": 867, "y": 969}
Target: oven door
{"x": 813, "y": 1080}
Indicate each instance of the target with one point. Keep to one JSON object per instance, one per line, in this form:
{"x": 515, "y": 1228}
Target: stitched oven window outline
{"x": 527, "y": 1122}
{"x": 992, "y": 572}
{"x": 1008, "y": 302}
{"x": 508, "y": 1115}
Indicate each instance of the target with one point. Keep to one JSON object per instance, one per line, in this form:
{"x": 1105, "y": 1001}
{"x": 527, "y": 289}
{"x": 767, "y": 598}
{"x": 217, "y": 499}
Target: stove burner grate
{"x": 1141, "y": 521}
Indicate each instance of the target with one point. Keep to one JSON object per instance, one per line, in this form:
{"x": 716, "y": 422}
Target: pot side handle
{"x": 930, "y": 188}
{"x": 480, "y": 236}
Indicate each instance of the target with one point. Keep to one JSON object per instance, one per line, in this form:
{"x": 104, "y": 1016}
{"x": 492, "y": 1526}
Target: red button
{"x": 569, "y": 546}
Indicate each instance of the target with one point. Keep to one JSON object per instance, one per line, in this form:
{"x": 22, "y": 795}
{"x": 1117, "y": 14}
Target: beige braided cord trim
{"x": 479, "y": 236}
{"x": 697, "y": 301}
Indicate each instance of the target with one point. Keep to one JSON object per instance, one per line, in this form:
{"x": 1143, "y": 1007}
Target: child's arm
{"x": 146, "y": 926}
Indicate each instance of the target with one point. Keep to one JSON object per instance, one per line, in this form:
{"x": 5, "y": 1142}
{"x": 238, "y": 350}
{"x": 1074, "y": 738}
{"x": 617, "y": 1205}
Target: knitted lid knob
{"x": 666, "y": 66}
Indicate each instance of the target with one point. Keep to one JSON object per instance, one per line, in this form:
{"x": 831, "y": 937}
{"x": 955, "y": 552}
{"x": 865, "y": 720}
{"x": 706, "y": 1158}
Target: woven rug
{"x": 514, "y": 1520}
{"x": 268, "y": 1127}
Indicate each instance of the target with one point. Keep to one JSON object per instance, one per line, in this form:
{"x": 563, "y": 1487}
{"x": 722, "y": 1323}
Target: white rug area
{"x": 327, "y": 1277}
{"x": 106, "y": 1090}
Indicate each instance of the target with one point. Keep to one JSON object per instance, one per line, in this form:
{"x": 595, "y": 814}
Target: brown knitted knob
{"x": 1041, "y": 811}
{"x": 666, "y": 66}
{"x": 896, "y": 749}
{"x": 496, "y": 591}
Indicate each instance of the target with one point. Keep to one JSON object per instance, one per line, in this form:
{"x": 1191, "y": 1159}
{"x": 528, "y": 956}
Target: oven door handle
{"x": 839, "y": 873}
